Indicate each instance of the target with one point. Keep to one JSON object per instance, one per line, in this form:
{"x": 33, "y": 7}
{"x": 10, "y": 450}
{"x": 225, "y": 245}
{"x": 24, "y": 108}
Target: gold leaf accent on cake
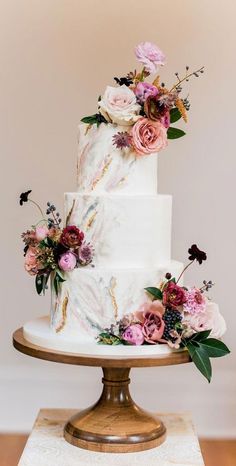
{"x": 88, "y": 128}
{"x": 64, "y": 314}
{"x": 113, "y": 298}
{"x": 91, "y": 220}
{"x": 103, "y": 171}
{"x": 70, "y": 212}
{"x": 122, "y": 180}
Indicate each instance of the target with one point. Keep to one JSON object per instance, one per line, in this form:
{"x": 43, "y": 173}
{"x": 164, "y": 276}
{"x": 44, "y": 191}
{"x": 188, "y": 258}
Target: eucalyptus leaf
{"x": 215, "y": 348}
{"x": 156, "y": 292}
{"x": 201, "y": 359}
{"x": 174, "y": 133}
{"x": 39, "y": 283}
{"x": 175, "y": 115}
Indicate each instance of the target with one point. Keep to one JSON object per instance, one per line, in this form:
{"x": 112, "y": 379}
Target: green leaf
{"x": 60, "y": 275}
{"x": 201, "y": 359}
{"x": 215, "y": 348}
{"x": 57, "y": 280}
{"x": 156, "y": 292}
{"x": 90, "y": 120}
{"x": 175, "y": 115}
{"x": 174, "y": 133}
{"x": 199, "y": 336}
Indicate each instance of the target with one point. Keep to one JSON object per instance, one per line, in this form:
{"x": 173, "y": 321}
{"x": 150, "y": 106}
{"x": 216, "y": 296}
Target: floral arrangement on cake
{"x": 51, "y": 250}
{"x": 145, "y": 109}
{"x": 176, "y": 315}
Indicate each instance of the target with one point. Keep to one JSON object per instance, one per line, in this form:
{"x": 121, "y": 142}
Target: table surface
{"x": 46, "y": 445}
{"x": 22, "y": 345}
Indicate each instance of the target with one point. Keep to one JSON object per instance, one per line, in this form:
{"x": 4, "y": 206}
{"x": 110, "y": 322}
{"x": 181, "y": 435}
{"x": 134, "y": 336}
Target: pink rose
{"x": 148, "y": 136}
{"x": 150, "y": 56}
{"x": 31, "y": 262}
{"x": 144, "y": 90}
{"x": 210, "y": 319}
{"x": 67, "y": 261}
{"x": 173, "y": 295}
{"x": 150, "y": 316}
{"x": 41, "y": 232}
{"x": 133, "y": 334}
{"x": 119, "y": 105}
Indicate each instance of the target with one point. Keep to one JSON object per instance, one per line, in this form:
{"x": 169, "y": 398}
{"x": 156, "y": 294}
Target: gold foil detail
{"x": 104, "y": 170}
{"x": 91, "y": 220}
{"x": 64, "y": 314}
{"x": 122, "y": 180}
{"x": 88, "y": 128}
{"x": 70, "y": 212}
{"x": 113, "y": 298}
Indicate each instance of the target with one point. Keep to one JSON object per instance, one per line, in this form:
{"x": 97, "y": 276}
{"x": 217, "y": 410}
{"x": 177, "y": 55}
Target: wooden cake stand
{"x": 114, "y": 423}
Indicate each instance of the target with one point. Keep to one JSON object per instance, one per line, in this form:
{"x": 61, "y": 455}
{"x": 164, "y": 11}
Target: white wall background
{"x": 56, "y": 57}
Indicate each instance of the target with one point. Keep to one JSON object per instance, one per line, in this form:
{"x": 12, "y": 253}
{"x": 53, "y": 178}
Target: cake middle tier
{"x": 133, "y": 231}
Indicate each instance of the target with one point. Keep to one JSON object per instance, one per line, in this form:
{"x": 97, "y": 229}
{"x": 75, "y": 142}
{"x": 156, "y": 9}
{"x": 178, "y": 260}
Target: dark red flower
{"x": 196, "y": 254}
{"x": 71, "y": 236}
{"x": 173, "y": 295}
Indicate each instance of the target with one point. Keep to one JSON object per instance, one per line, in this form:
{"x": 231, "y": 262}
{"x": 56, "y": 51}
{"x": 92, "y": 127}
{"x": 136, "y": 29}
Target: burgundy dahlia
{"x": 173, "y": 295}
{"x": 71, "y": 236}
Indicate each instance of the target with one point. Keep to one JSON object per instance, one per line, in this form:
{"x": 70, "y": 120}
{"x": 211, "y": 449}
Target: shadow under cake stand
{"x": 114, "y": 423}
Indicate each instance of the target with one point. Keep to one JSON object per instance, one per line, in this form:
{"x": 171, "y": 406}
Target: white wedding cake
{"x": 119, "y": 210}
{"x": 115, "y": 289}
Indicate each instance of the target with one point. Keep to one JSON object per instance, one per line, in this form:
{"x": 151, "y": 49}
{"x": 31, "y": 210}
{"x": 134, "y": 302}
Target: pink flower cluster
{"x": 150, "y": 326}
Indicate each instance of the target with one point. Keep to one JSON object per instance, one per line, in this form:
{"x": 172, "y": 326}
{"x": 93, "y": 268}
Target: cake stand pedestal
{"x": 114, "y": 423}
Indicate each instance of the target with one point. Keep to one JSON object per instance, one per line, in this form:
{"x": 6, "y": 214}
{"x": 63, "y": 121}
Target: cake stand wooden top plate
{"x": 24, "y": 346}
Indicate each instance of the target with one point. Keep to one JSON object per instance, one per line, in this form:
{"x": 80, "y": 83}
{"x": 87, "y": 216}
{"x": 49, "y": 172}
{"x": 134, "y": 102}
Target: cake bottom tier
{"x": 91, "y": 299}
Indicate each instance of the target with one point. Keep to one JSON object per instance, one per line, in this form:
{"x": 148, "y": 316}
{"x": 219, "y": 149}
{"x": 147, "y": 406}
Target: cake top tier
{"x": 102, "y": 167}
{"x": 119, "y": 144}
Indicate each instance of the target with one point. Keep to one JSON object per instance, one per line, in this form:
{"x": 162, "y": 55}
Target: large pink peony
{"x": 119, "y": 105}
{"x": 210, "y": 319}
{"x": 150, "y": 316}
{"x": 31, "y": 262}
{"x": 148, "y": 136}
{"x": 150, "y": 56}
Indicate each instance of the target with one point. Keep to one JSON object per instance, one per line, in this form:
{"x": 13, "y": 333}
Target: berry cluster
{"x": 171, "y": 319}
{"x": 55, "y": 220}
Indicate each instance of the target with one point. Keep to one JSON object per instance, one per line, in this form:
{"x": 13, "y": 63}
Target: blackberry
{"x": 171, "y": 318}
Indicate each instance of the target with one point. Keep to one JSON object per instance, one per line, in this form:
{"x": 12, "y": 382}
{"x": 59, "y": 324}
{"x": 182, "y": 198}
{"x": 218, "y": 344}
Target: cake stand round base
{"x": 115, "y": 423}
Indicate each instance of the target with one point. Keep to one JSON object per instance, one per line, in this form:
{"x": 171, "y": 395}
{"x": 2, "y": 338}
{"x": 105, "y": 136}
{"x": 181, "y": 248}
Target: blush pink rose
{"x": 119, "y": 105}
{"x": 150, "y": 315}
{"x": 67, "y": 261}
{"x": 148, "y": 136}
{"x": 41, "y": 232}
{"x": 133, "y": 334}
{"x": 31, "y": 262}
{"x": 209, "y": 319}
{"x": 150, "y": 56}
{"x": 145, "y": 90}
